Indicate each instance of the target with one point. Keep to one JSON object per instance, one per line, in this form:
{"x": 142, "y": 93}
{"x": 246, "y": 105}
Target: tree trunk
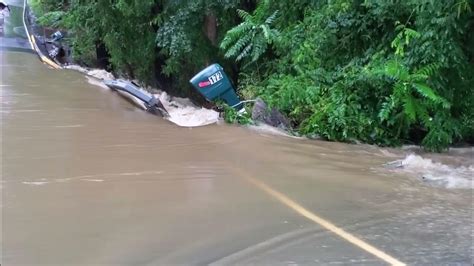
{"x": 130, "y": 72}
{"x": 102, "y": 55}
{"x": 211, "y": 27}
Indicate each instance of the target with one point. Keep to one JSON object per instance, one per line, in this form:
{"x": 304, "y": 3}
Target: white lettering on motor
{"x": 215, "y": 77}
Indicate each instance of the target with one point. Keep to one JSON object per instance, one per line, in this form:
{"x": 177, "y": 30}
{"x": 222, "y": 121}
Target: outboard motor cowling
{"x": 213, "y": 84}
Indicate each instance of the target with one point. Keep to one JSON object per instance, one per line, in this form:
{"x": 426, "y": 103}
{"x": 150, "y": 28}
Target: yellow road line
{"x": 43, "y": 58}
{"x": 33, "y": 44}
{"x": 49, "y": 62}
{"x": 322, "y": 222}
{"x": 24, "y": 24}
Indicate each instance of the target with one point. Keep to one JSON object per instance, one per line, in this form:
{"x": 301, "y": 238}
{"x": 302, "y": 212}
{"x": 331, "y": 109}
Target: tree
{"x": 251, "y": 38}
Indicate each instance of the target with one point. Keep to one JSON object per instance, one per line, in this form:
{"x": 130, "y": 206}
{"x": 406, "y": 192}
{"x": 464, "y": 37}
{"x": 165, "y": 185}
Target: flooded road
{"x": 89, "y": 179}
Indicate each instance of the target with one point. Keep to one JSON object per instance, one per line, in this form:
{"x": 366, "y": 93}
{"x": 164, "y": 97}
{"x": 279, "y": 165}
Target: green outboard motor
{"x": 214, "y": 84}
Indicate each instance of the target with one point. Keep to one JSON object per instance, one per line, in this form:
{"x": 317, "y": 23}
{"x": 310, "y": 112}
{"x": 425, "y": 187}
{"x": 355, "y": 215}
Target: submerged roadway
{"x": 88, "y": 179}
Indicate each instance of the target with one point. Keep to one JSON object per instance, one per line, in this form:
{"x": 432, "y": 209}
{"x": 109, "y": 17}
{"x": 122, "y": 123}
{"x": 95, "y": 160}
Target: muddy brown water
{"x": 89, "y": 179}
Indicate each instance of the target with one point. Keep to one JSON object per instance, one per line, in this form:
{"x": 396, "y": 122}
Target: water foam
{"x": 264, "y": 129}
{"x": 96, "y": 82}
{"x": 77, "y": 68}
{"x": 96, "y": 73}
{"x": 184, "y": 113}
{"x": 93, "y": 180}
{"x": 100, "y": 74}
{"x": 35, "y": 183}
{"x": 436, "y": 173}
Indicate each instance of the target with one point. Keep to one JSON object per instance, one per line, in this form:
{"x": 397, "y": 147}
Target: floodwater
{"x": 89, "y": 179}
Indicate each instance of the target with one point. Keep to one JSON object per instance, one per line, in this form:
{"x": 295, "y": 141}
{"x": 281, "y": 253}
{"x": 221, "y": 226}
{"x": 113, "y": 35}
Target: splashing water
{"x": 96, "y": 82}
{"x": 96, "y": 73}
{"x": 436, "y": 173}
{"x": 264, "y": 129}
{"x": 182, "y": 111}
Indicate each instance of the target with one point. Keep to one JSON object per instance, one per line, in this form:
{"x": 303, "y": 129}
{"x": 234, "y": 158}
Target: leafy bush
{"x": 52, "y": 19}
{"x": 232, "y": 116}
{"x": 380, "y": 72}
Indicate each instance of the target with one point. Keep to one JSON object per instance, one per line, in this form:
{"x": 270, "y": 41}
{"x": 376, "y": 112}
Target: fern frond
{"x": 399, "y": 90}
{"x": 429, "y": 70}
{"x": 240, "y": 29}
{"x": 387, "y": 108}
{"x": 245, "y": 52}
{"x": 234, "y": 34}
{"x": 245, "y": 16}
{"x": 403, "y": 39}
{"x": 237, "y": 47}
{"x": 391, "y": 69}
{"x": 409, "y": 107}
{"x": 259, "y": 48}
{"x": 250, "y": 38}
{"x": 396, "y": 70}
{"x": 426, "y": 92}
{"x": 418, "y": 77}
{"x": 266, "y": 32}
{"x": 271, "y": 18}
{"x": 410, "y": 33}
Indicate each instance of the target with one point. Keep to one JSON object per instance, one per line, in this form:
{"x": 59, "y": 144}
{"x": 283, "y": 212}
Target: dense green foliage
{"x": 384, "y": 72}
{"x": 379, "y": 71}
